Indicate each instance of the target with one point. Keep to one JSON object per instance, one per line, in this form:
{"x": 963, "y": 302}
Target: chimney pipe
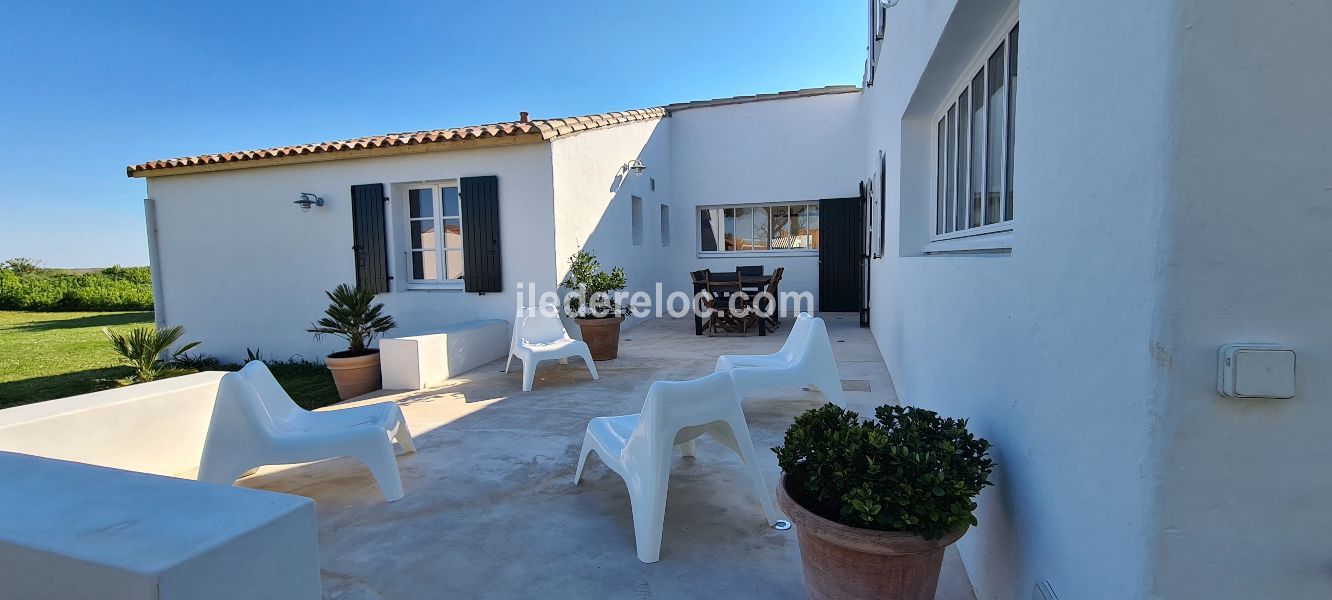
{"x": 522, "y": 117}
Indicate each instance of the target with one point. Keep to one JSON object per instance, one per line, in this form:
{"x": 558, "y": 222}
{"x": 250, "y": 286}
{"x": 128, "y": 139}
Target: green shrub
{"x": 908, "y": 470}
{"x": 115, "y": 288}
{"x": 140, "y": 349}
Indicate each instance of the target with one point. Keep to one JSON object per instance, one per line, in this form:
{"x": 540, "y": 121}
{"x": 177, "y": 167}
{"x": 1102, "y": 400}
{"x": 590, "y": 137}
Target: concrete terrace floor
{"x": 491, "y": 510}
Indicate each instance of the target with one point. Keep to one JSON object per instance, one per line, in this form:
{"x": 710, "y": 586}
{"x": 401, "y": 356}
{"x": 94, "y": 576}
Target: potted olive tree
{"x": 592, "y": 305}
{"x": 875, "y": 503}
{"x": 353, "y": 315}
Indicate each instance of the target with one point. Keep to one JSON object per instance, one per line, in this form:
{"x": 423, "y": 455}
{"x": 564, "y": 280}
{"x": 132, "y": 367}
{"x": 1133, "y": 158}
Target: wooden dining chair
{"x": 722, "y": 317}
{"x": 699, "y": 279}
{"x": 774, "y": 303}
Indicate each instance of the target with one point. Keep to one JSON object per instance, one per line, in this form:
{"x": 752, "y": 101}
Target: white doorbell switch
{"x": 1256, "y": 371}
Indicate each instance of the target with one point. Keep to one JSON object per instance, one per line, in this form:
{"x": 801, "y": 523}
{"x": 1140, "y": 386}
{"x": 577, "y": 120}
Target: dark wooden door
{"x": 841, "y": 240}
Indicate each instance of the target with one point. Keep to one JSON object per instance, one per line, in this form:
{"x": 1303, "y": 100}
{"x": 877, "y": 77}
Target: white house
{"x": 225, "y": 233}
{"x": 1060, "y": 211}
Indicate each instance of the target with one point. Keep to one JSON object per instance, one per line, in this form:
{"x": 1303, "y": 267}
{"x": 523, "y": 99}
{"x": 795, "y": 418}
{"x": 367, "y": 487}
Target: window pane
{"x": 1008, "y": 155}
{"x": 707, "y": 229}
{"x": 977, "y": 147}
{"x": 994, "y": 135}
{"x": 450, "y": 201}
{"x": 423, "y": 234}
{"x": 453, "y": 233}
{"x": 941, "y": 177}
{"x": 744, "y": 229}
{"x": 760, "y": 228}
{"x": 805, "y": 226}
{"x": 453, "y": 264}
{"x": 957, "y": 152}
{"x": 421, "y": 203}
{"x": 781, "y": 228}
{"x": 953, "y": 166}
{"x": 424, "y": 265}
{"x": 729, "y": 217}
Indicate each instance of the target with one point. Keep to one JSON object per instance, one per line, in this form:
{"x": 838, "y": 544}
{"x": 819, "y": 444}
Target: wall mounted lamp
{"x": 634, "y": 165}
{"x": 308, "y": 200}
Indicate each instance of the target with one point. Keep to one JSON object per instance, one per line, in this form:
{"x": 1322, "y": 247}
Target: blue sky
{"x": 88, "y": 88}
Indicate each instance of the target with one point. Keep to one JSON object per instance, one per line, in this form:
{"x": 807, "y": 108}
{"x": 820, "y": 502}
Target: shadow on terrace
{"x": 491, "y": 510}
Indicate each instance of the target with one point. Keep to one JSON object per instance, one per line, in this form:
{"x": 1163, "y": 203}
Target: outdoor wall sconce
{"x": 634, "y": 165}
{"x": 308, "y": 200}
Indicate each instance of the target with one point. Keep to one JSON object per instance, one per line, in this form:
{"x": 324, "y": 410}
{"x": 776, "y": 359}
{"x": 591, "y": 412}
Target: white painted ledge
{"x": 416, "y": 362}
{"x": 70, "y": 531}
{"x": 157, "y": 427}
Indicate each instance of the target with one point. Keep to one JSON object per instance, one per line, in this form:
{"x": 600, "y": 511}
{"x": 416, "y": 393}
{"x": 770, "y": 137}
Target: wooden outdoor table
{"x": 757, "y": 282}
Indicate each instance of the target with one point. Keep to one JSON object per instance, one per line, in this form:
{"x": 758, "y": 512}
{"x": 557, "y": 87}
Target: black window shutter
{"x": 481, "y": 234}
{"x": 369, "y": 240}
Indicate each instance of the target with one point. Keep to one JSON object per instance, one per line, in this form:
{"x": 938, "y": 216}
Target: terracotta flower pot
{"x": 355, "y": 375}
{"x": 602, "y": 336}
{"x": 848, "y": 562}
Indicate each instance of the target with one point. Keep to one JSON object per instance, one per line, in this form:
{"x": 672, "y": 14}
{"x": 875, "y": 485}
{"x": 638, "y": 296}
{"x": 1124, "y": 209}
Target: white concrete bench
{"x": 419, "y": 361}
{"x": 156, "y": 427}
{"x": 70, "y": 531}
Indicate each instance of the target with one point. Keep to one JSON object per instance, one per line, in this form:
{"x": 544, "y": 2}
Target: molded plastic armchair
{"x": 256, "y": 423}
{"x": 638, "y": 447}
{"x": 539, "y": 334}
{"x": 805, "y": 359}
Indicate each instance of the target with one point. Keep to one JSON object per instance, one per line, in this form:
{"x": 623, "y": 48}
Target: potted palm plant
{"x": 353, "y": 315}
{"x": 875, "y": 503}
{"x": 592, "y": 304}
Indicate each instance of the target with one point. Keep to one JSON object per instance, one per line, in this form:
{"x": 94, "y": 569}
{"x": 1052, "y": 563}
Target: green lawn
{"x": 47, "y": 355}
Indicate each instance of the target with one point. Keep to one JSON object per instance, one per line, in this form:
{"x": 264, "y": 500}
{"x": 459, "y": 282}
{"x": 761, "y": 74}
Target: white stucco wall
{"x": 1245, "y": 483}
{"x": 791, "y": 150}
{"x": 242, "y": 267}
{"x": 1052, "y": 349}
{"x": 593, "y": 201}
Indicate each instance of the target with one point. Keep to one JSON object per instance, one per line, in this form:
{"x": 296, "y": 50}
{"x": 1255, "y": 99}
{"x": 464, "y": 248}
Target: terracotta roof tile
{"x": 534, "y": 130}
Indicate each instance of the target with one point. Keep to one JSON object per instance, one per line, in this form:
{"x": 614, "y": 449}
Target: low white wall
{"x": 427, "y": 359}
{"x": 156, "y": 427}
{"x": 71, "y": 531}
{"x": 790, "y": 150}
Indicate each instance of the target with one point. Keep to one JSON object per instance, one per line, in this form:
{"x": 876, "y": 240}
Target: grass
{"x": 53, "y": 355}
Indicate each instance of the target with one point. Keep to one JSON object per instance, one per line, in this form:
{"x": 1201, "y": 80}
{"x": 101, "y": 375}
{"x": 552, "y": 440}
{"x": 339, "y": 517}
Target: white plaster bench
{"x": 156, "y": 427}
{"x": 71, "y": 531}
{"x": 419, "y": 361}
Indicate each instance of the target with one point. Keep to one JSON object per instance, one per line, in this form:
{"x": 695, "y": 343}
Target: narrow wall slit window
{"x": 973, "y": 145}
{"x": 434, "y": 222}
{"x": 785, "y": 227}
{"x": 665, "y": 226}
{"x": 636, "y": 218}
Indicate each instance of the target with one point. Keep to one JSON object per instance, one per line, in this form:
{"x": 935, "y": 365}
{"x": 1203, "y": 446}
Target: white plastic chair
{"x": 638, "y": 447}
{"x": 256, "y": 423}
{"x": 805, "y": 359}
{"x": 539, "y": 334}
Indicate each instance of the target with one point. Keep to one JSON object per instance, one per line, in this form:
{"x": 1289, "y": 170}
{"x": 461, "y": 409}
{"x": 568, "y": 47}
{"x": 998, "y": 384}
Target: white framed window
{"x": 788, "y": 227}
{"x": 434, "y": 234}
{"x": 636, "y": 219}
{"x": 665, "y": 226}
{"x": 973, "y": 145}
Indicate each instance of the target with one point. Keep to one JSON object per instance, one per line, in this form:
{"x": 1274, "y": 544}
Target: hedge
{"x": 114, "y": 288}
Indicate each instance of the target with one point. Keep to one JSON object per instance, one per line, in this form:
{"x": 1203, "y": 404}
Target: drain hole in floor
{"x": 855, "y": 385}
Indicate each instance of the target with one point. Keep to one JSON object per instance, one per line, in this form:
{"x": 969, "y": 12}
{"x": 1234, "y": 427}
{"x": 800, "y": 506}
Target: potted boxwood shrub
{"x": 592, "y": 304}
{"x": 875, "y": 503}
{"x": 353, "y": 315}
